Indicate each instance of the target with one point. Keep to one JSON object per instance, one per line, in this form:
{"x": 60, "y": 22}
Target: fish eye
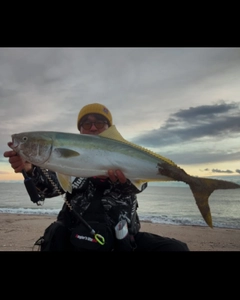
{"x": 24, "y": 138}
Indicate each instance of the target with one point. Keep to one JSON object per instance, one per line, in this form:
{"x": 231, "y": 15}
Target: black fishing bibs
{"x": 119, "y": 200}
{"x": 92, "y": 231}
{"x": 100, "y": 238}
{"x": 101, "y": 204}
{"x": 85, "y": 191}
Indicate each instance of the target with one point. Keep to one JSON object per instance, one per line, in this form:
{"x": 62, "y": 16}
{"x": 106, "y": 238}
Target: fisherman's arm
{"x": 46, "y": 182}
{"x": 40, "y": 180}
{"x": 16, "y": 162}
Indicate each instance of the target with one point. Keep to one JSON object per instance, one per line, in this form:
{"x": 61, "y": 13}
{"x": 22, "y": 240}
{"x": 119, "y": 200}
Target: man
{"x": 94, "y": 201}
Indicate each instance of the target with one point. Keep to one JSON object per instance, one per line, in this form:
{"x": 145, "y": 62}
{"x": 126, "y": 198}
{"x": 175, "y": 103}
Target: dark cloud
{"x": 222, "y": 171}
{"x": 204, "y": 111}
{"x": 218, "y": 120}
{"x": 200, "y": 156}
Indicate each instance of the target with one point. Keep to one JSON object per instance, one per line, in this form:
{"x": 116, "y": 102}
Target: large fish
{"x": 77, "y": 155}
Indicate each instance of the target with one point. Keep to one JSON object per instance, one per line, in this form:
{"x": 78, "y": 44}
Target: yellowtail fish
{"x": 82, "y": 155}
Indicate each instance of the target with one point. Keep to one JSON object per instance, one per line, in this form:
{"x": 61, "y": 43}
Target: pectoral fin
{"x": 66, "y": 153}
{"x": 65, "y": 182}
{"x": 138, "y": 184}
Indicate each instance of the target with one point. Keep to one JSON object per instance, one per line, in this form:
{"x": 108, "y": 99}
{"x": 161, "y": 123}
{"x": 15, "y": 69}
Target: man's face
{"x": 93, "y": 128}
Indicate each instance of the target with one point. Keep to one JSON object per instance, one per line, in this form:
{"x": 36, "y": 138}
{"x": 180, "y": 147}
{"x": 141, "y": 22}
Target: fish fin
{"x": 113, "y": 133}
{"x": 65, "y": 182}
{"x": 63, "y": 152}
{"x": 201, "y": 188}
{"x": 201, "y": 198}
{"x": 138, "y": 183}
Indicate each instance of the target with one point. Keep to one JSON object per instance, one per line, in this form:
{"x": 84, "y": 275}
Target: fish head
{"x": 33, "y": 147}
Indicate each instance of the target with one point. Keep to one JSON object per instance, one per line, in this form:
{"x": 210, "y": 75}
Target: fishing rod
{"x": 31, "y": 189}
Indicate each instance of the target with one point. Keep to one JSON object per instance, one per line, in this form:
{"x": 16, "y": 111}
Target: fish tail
{"x": 201, "y": 188}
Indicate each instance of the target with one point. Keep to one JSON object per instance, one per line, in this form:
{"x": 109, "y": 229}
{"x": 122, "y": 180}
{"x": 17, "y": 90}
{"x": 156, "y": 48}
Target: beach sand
{"x": 19, "y": 232}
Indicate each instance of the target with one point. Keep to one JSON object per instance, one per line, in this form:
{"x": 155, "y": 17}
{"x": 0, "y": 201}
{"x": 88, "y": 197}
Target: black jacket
{"x": 89, "y": 195}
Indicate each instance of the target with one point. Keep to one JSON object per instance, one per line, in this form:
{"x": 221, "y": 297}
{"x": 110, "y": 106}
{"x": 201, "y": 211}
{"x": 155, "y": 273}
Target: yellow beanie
{"x": 94, "y": 108}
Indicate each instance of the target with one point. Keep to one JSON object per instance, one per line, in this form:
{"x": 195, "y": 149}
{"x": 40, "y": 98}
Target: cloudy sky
{"x": 183, "y": 103}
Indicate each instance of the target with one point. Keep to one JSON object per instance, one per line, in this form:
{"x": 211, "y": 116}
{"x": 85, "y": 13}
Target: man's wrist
{"x": 29, "y": 169}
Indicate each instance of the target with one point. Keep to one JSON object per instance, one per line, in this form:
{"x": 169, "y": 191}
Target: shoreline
{"x": 19, "y": 232}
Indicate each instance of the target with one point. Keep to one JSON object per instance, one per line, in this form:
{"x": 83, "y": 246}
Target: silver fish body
{"x": 86, "y": 155}
{"x": 79, "y": 155}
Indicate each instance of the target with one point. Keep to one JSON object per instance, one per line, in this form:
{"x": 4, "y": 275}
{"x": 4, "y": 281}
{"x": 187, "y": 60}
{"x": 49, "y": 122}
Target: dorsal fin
{"x": 112, "y": 133}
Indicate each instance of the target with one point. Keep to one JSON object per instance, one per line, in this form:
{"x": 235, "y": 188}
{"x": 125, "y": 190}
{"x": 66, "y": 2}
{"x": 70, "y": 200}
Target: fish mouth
{"x": 14, "y": 144}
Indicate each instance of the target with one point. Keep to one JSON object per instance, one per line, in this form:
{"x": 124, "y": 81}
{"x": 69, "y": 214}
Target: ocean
{"x": 170, "y": 203}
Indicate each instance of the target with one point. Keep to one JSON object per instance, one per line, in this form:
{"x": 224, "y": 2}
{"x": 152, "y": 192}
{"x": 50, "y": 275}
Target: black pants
{"x": 57, "y": 238}
{"x": 146, "y": 241}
